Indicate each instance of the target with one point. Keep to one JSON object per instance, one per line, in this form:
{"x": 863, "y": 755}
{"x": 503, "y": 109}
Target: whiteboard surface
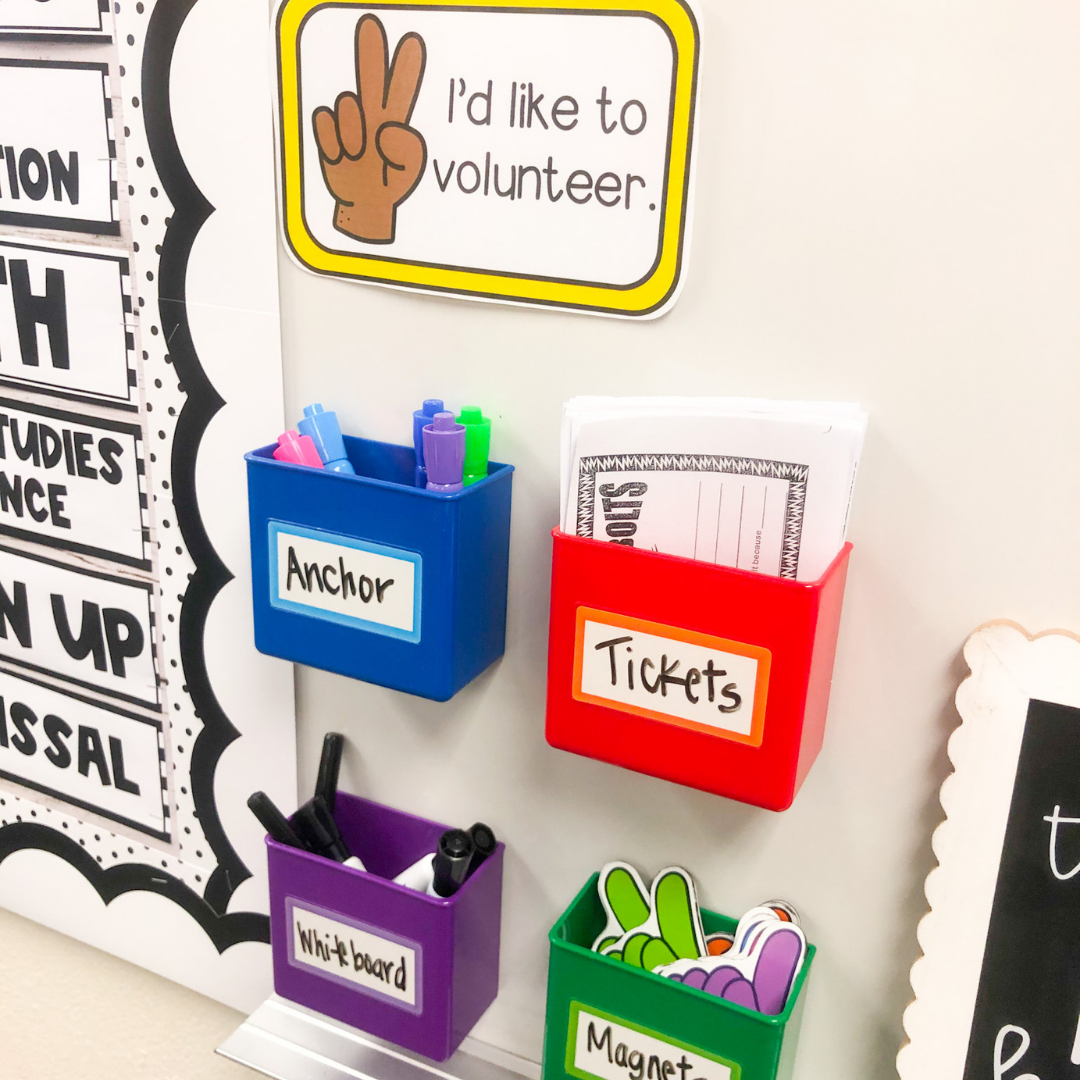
{"x": 886, "y": 212}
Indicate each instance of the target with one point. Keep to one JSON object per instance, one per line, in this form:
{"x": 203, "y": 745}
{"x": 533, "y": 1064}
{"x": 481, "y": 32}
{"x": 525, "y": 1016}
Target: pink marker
{"x": 297, "y": 450}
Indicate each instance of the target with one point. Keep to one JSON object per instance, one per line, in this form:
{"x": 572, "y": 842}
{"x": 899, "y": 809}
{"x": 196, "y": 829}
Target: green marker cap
{"x": 477, "y": 443}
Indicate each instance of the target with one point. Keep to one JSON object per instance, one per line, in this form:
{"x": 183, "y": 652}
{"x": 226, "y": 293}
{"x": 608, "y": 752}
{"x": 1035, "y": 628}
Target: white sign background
{"x": 57, "y": 15}
{"x": 62, "y": 107}
{"x": 139, "y": 738}
{"x": 95, "y": 285}
{"x": 42, "y": 579}
{"x": 104, "y": 516}
{"x": 565, "y": 54}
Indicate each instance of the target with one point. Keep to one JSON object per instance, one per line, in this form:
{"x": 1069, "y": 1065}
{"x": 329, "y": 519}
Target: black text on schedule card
{"x": 66, "y": 324}
{"x": 59, "y": 151}
{"x": 83, "y": 626}
{"x": 73, "y": 481}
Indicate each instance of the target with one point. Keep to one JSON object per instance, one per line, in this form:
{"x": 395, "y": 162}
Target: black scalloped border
{"x": 223, "y": 930}
{"x": 191, "y": 210}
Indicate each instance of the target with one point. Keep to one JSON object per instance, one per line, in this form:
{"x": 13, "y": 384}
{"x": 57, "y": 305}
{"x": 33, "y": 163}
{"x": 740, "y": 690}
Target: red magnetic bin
{"x": 704, "y": 675}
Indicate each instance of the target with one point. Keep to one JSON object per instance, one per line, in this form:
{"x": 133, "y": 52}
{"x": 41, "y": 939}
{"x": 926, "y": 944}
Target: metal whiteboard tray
{"x": 289, "y": 1042}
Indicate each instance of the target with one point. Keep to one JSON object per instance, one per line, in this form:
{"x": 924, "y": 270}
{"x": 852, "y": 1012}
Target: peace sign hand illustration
{"x": 649, "y": 929}
{"x": 371, "y": 158}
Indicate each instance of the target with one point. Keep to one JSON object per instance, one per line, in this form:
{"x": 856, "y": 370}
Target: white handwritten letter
{"x": 1000, "y": 1065}
{"x": 1056, "y": 819}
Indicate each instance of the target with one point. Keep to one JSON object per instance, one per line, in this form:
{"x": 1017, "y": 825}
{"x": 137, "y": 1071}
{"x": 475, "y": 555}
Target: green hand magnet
{"x": 673, "y": 929}
{"x": 625, "y": 900}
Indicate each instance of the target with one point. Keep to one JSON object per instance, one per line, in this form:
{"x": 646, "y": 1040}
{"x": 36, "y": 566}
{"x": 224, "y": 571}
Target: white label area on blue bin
{"x": 362, "y": 957}
{"x": 604, "y": 1047}
{"x": 344, "y": 580}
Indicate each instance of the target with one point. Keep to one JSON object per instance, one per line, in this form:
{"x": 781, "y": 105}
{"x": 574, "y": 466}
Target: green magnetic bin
{"x": 725, "y": 1041}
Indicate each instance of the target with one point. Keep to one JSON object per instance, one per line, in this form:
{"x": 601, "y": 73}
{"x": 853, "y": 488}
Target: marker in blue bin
{"x": 323, "y": 430}
{"x": 297, "y": 450}
{"x": 444, "y": 453}
{"x": 477, "y": 442}
{"x": 420, "y": 419}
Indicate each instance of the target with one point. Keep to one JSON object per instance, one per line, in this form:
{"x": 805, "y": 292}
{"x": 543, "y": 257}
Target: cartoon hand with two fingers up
{"x": 648, "y": 928}
{"x": 371, "y": 158}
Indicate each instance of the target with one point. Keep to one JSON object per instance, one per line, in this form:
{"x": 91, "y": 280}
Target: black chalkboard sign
{"x": 1026, "y": 1024}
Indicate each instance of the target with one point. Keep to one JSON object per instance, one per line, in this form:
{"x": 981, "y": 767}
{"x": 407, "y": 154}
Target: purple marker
{"x": 420, "y": 419}
{"x": 444, "y": 453}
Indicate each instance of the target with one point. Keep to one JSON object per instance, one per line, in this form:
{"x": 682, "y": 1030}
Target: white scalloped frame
{"x": 1009, "y": 668}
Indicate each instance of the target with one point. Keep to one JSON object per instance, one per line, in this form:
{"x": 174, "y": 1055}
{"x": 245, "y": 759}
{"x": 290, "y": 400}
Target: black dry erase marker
{"x": 329, "y": 766}
{"x": 484, "y": 844}
{"x": 274, "y": 821}
{"x": 318, "y": 829}
{"x": 452, "y": 861}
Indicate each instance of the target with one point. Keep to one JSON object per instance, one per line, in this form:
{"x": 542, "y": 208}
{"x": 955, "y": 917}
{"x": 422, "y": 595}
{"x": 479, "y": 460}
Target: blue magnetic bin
{"x": 373, "y": 578}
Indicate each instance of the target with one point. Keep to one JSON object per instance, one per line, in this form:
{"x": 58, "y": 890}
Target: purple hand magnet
{"x": 720, "y": 979}
{"x": 776, "y": 969}
{"x": 742, "y": 993}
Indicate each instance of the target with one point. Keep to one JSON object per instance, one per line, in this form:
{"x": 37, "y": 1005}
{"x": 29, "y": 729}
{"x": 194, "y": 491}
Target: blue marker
{"x": 322, "y": 427}
{"x": 420, "y": 419}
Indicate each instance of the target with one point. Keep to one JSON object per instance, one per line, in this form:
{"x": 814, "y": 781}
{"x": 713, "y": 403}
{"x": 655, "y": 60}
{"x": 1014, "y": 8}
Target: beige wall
{"x": 70, "y": 1012}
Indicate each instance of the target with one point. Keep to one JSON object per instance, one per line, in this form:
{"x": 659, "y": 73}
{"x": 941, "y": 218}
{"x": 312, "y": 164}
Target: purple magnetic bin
{"x": 414, "y": 969}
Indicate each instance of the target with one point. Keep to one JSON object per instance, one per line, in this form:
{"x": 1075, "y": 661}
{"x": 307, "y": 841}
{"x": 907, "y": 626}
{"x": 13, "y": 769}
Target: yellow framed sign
{"x": 514, "y": 152}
